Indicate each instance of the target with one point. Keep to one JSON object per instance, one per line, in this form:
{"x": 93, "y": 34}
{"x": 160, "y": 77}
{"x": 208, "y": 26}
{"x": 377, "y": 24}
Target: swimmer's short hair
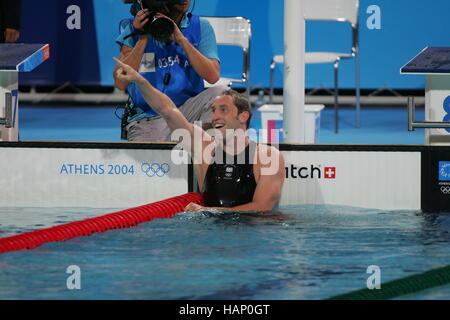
{"x": 241, "y": 102}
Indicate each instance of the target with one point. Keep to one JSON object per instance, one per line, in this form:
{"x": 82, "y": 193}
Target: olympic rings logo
{"x": 445, "y": 190}
{"x": 155, "y": 169}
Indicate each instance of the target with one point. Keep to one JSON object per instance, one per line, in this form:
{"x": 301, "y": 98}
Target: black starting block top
{"x": 22, "y": 57}
{"x": 430, "y": 60}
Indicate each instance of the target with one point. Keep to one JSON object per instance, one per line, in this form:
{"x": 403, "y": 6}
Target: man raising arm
{"x": 251, "y": 185}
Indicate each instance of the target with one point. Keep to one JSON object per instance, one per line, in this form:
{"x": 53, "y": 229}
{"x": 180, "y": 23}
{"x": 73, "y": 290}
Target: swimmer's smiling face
{"x": 226, "y": 117}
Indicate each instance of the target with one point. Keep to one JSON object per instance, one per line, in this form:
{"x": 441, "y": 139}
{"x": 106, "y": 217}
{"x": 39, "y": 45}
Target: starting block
{"x": 15, "y": 58}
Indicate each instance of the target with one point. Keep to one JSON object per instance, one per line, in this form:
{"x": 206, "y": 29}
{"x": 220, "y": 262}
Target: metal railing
{"x": 422, "y": 124}
{"x": 7, "y": 121}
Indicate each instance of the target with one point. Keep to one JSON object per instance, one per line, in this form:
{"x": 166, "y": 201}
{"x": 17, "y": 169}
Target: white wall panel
{"x": 40, "y": 177}
{"x": 381, "y": 180}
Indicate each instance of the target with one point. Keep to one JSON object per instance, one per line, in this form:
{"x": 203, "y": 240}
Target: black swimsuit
{"x": 230, "y": 185}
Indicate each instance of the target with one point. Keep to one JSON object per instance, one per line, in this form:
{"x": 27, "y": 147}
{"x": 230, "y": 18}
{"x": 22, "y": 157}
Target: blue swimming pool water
{"x": 305, "y": 252}
{"x": 15, "y": 220}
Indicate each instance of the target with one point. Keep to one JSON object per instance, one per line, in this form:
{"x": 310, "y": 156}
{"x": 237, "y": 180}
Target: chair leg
{"x": 336, "y": 96}
{"x": 247, "y": 90}
{"x": 358, "y": 90}
{"x": 271, "y": 82}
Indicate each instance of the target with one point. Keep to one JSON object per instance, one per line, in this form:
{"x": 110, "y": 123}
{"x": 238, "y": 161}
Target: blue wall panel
{"x": 73, "y": 53}
{"x": 84, "y": 57}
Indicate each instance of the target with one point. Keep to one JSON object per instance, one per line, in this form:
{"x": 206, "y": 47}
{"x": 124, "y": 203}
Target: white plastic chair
{"x": 234, "y": 31}
{"x": 339, "y": 11}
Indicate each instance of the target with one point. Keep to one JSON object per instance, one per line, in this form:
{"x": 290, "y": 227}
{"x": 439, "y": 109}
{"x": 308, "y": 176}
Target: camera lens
{"x": 161, "y": 28}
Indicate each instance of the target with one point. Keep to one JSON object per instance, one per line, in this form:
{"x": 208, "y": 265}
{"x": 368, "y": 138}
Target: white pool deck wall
{"x": 118, "y": 176}
{"x": 97, "y": 178}
{"x": 368, "y": 179}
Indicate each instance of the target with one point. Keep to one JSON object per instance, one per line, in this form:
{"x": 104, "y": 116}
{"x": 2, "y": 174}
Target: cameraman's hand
{"x": 126, "y": 73}
{"x": 141, "y": 19}
{"x": 177, "y": 35}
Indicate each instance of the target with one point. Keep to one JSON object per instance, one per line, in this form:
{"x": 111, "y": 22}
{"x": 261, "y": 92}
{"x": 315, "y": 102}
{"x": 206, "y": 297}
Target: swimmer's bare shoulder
{"x": 269, "y": 175}
{"x": 268, "y": 161}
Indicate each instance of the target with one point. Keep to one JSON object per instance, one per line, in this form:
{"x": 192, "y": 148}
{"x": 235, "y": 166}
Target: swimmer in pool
{"x": 233, "y": 172}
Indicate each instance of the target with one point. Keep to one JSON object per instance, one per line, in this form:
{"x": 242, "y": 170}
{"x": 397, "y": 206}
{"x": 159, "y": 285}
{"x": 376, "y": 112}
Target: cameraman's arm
{"x": 129, "y": 55}
{"x": 132, "y": 57}
{"x": 205, "y": 59}
{"x": 208, "y": 69}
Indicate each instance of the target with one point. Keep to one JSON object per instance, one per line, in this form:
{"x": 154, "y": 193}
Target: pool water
{"x": 14, "y": 220}
{"x": 299, "y": 252}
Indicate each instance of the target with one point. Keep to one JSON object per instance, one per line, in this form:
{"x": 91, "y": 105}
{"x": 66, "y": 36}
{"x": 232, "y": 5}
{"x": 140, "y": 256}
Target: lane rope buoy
{"x": 401, "y": 287}
{"x": 117, "y": 220}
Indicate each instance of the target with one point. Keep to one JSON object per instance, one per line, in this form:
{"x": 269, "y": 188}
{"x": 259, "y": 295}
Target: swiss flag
{"x": 46, "y": 52}
{"x": 330, "y": 172}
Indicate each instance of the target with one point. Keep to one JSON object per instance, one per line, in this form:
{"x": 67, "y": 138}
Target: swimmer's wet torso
{"x": 230, "y": 184}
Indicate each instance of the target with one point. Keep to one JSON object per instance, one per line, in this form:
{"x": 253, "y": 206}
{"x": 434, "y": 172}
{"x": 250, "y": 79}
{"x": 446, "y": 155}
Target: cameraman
{"x": 176, "y": 67}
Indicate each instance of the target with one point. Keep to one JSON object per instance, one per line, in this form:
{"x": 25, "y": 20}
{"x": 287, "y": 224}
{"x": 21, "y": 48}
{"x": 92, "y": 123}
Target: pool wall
{"x": 101, "y": 175}
{"x": 88, "y": 175}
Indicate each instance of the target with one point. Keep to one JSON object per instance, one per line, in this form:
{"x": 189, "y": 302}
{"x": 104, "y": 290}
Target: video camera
{"x": 160, "y": 28}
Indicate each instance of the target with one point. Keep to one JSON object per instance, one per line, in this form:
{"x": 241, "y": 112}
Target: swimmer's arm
{"x": 164, "y": 106}
{"x": 160, "y": 102}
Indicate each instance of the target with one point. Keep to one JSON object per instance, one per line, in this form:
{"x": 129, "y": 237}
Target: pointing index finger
{"x": 119, "y": 62}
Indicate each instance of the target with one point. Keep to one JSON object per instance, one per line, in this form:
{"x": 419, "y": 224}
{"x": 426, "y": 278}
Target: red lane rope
{"x": 117, "y": 220}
